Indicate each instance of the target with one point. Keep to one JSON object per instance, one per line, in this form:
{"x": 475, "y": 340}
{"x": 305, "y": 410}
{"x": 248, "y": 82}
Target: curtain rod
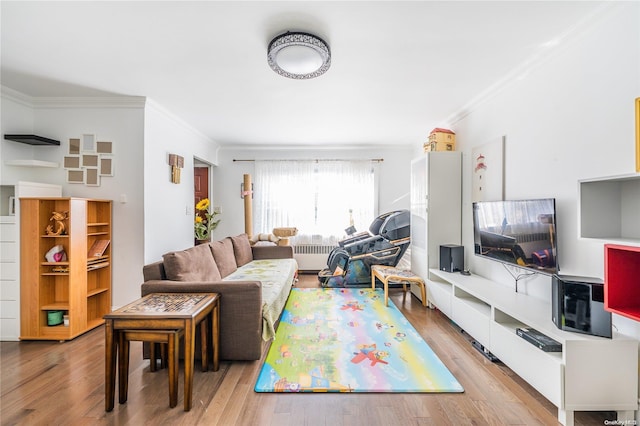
{"x": 374, "y": 160}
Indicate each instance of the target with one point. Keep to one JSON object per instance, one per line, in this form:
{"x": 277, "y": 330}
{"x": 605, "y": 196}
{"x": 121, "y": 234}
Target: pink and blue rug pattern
{"x": 347, "y": 340}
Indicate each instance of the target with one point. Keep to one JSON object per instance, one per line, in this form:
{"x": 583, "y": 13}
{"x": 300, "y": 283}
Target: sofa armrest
{"x": 154, "y": 271}
{"x": 272, "y": 252}
{"x": 240, "y": 312}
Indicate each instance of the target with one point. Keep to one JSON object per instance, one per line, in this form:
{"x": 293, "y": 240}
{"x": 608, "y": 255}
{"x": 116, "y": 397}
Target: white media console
{"x": 590, "y": 374}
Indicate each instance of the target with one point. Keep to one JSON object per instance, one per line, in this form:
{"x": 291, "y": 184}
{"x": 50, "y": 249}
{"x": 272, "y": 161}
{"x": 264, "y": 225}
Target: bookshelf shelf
{"x": 80, "y": 286}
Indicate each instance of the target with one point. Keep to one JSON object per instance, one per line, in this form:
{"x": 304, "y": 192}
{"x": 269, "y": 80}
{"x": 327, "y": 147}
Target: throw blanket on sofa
{"x": 277, "y": 277}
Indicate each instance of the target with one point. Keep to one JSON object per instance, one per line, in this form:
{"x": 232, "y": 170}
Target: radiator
{"x": 311, "y": 257}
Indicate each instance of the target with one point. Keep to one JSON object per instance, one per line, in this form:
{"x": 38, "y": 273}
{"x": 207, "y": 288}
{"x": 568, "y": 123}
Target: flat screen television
{"x": 517, "y": 232}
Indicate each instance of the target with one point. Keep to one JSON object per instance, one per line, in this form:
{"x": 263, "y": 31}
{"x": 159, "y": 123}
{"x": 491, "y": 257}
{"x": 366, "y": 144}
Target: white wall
{"x": 168, "y": 207}
{"x": 17, "y": 117}
{"x": 121, "y": 124}
{"x": 568, "y": 118}
{"x": 149, "y": 213}
{"x": 119, "y": 120}
{"x": 393, "y": 184}
{"x": 143, "y": 134}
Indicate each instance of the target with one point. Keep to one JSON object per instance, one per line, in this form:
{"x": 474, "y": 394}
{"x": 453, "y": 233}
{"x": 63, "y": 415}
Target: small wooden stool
{"x": 169, "y": 337}
{"x": 153, "y": 349}
{"x": 391, "y": 273}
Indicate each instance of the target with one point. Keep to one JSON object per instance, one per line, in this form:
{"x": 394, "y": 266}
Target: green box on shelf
{"x": 54, "y": 318}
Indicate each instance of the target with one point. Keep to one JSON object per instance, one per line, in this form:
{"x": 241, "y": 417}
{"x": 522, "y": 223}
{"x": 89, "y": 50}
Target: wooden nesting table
{"x": 161, "y": 318}
{"x": 390, "y": 273}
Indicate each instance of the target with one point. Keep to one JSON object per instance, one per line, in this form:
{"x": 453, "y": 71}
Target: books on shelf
{"x": 97, "y": 265}
{"x": 98, "y": 248}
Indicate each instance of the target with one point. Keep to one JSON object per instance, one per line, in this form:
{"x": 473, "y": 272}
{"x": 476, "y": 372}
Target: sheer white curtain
{"x": 317, "y": 197}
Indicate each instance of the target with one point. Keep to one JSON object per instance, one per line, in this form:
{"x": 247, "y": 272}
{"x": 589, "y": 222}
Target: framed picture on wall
{"x": 104, "y": 147}
{"x": 92, "y": 177}
{"x": 72, "y": 162}
{"x": 89, "y": 143}
{"x": 106, "y": 166}
{"x": 74, "y": 146}
{"x": 75, "y": 176}
{"x": 89, "y": 160}
{"x": 488, "y": 171}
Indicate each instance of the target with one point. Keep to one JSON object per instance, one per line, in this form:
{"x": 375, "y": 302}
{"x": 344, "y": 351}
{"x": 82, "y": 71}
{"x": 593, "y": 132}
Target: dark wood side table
{"x": 160, "y": 317}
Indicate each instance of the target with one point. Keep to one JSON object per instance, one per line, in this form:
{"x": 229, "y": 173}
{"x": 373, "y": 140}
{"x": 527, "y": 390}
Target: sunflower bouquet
{"x": 204, "y": 220}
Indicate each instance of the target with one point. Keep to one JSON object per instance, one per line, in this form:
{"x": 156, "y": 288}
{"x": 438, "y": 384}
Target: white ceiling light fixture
{"x": 299, "y": 55}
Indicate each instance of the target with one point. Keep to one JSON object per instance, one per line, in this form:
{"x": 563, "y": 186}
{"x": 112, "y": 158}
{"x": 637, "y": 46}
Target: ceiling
{"x": 398, "y": 69}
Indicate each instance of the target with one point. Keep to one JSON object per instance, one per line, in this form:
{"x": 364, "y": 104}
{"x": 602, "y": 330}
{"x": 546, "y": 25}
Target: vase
{"x": 198, "y": 242}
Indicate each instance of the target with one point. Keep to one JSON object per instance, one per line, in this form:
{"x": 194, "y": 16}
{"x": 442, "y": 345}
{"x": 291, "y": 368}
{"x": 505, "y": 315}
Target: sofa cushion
{"x": 242, "y": 249}
{"x": 223, "y": 255}
{"x": 276, "y": 277}
{"x": 194, "y": 264}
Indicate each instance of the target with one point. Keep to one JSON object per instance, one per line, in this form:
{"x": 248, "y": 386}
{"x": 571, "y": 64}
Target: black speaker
{"x": 577, "y": 304}
{"x": 451, "y": 258}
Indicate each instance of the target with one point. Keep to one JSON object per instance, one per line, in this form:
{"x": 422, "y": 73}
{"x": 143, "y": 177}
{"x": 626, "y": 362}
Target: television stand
{"x": 590, "y": 374}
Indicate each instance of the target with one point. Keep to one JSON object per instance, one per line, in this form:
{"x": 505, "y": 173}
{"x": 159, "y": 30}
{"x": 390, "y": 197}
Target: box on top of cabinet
{"x": 440, "y": 140}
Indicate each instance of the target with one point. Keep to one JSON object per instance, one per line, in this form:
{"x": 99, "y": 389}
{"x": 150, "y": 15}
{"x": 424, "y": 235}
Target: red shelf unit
{"x": 622, "y": 280}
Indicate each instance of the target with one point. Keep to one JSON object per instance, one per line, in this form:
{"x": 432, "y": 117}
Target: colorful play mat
{"x": 347, "y": 340}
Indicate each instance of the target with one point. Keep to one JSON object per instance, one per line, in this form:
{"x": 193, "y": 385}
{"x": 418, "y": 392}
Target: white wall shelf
{"x": 609, "y": 207}
{"x": 590, "y": 374}
{"x": 31, "y": 163}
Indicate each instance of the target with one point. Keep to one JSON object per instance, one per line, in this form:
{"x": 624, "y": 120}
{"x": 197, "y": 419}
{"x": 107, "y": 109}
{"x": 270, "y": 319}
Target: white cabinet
{"x": 590, "y": 374}
{"x": 10, "y": 254}
{"x": 9, "y": 284}
{"x": 436, "y": 210}
{"x": 473, "y": 314}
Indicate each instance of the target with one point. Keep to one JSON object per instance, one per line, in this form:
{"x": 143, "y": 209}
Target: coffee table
{"x": 160, "y": 318}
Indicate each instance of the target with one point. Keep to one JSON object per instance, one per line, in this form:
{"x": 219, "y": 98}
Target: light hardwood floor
{"x": 63, "y": 384}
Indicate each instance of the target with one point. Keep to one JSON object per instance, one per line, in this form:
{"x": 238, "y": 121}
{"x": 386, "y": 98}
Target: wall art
{"x": 75, "y": 176}
{"x": 91, "y": 177}
{"x": 488, "y": 171}
{"x": 89, "y": 160}
{"x": 74, "y": 146}
{"x": 72, "y": 162}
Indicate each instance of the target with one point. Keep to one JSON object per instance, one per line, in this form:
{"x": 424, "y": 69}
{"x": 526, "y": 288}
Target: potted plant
{"x": 204, "y": 221}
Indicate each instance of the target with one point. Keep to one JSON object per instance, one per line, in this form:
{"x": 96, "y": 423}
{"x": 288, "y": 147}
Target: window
{"x": 317, "y": 197}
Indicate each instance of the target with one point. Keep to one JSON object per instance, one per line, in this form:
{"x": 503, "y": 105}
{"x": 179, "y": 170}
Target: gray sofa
{"x": 253, "y": 281}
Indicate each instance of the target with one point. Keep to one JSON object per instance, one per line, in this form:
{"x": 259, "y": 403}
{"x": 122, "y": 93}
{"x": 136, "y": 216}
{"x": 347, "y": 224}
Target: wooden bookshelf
{"x": 80, "y": 286}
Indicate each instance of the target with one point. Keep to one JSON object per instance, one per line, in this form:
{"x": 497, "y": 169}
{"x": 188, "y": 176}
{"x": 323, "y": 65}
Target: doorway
{"x": 200, "y": 183}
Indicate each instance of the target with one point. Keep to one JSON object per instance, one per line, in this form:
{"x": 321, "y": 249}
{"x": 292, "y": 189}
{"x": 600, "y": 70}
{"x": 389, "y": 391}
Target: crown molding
{"x": 90, "y": 102}
{"x": 315, "y": 148}
{"x": 150, "y": 103}
{"x": 15, "y": 96}
{"x": 72, "y": 102}
{"x": 545, "y": 52}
